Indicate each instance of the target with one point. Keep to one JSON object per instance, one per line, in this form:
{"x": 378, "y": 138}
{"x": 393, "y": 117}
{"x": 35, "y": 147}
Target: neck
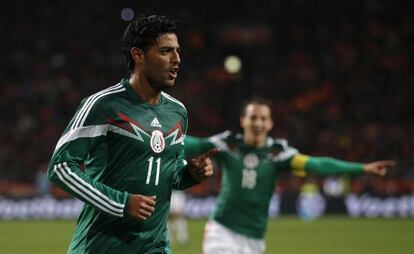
{"x": 254, "y": 141}
{"x": 144, "y": 90}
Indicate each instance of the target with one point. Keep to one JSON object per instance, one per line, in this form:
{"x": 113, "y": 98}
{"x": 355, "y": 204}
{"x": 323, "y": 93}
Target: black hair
{"x": 256, "y": 101}
{"x": 143, "y": 33}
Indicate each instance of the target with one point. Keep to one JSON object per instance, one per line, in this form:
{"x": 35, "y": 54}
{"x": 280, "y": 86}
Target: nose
{"x": 176, "y": 57}
{"x": 257, "y": 123}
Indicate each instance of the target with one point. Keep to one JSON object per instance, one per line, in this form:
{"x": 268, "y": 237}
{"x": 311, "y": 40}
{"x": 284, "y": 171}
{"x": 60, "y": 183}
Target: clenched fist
{"x": 141, "y": 207}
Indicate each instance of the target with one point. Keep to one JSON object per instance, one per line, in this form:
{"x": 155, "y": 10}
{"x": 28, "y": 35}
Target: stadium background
{"x": 340, "y": 75}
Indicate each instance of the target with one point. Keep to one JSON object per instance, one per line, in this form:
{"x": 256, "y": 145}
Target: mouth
{"x": 173, "y": 73}
{"x": 257, "y": 132}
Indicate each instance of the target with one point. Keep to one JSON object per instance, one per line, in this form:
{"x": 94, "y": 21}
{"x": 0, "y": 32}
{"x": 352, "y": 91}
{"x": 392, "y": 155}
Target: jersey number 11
{"x": 157, "y": 176}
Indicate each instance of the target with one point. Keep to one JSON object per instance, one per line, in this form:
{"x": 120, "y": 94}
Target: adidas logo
{"x": 156, "y": 123}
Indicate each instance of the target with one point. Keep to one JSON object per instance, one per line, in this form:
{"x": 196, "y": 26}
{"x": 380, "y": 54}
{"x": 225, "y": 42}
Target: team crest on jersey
{"x": 251, "y": 161}
{"x": 157, "y": 141}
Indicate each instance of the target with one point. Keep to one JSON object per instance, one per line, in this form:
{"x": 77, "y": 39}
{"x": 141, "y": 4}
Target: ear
{"x": 137, "y": 55}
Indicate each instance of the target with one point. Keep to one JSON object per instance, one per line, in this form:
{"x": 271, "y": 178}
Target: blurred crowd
{"x": 340, "y": 74}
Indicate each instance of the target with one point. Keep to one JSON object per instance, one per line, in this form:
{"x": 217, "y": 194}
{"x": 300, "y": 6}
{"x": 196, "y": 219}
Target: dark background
{"x": 339, "y": 73}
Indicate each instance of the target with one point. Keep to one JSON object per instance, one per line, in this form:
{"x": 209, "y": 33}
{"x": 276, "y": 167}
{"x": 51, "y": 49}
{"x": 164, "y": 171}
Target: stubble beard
{"x": 160, "y": 86}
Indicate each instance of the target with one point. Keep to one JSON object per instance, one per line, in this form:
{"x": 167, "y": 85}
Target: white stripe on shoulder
{"x": 83, "y": 132}
{"x": 88, "y": 101}
{"x": 287, "y": 151}
{"x": 282, "y": 142}
{"x": 286, "y": 154}
{"x": 96, "y": 99}
{"x": 169, "y": 97}
{"x": 218, "y": 140}
{"x": 83, "y": 112}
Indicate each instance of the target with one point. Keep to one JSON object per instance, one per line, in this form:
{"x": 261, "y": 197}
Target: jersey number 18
{"x": 249, "y": 178}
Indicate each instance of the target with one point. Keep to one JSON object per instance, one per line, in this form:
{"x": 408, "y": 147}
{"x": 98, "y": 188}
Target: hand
{"x": 378, "y": 167}
{"x": 141, "y": 207}
{"x": 201, "y": 167}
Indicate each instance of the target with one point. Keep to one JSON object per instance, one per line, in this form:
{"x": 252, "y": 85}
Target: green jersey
{"x": 117, "y": 145}
{"x": 249, "y": 176}
{"x": 248, "y": 180}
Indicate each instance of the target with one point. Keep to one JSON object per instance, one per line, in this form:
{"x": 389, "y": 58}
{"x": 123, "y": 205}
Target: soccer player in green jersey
{"x": 251, "y": 164}
{"x": 122, "y": 153}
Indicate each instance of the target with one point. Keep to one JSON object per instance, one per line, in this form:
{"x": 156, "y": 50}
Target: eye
{"x": 165, "y": 50}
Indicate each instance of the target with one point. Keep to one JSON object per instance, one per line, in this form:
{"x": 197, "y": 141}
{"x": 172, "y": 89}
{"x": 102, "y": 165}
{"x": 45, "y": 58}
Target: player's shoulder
{"x": 278, "y": 143}
{"x": 92, "y": 108}
{"x": 226, "y": 140}
{"x": 173, "y": 101}
{"x": 223, "y": 136}
{"x": 281, "y": 149}
{"x": 103, "y": 96}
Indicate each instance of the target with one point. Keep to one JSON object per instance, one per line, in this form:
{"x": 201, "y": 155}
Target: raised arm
{"x": 330, "y": 166}
{"x": 195, "y": 145}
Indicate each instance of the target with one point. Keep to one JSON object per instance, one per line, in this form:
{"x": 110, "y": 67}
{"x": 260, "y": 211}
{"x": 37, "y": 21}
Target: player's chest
{"x": 251, "y": 163}
{"x": 144, "y": 127}
{"x": 249, "y": 170}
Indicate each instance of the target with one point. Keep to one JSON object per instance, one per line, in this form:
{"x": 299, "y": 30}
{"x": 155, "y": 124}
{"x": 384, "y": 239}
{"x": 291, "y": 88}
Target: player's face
{"x": 257, "y": 122}
{"x": 161, "y": 62}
